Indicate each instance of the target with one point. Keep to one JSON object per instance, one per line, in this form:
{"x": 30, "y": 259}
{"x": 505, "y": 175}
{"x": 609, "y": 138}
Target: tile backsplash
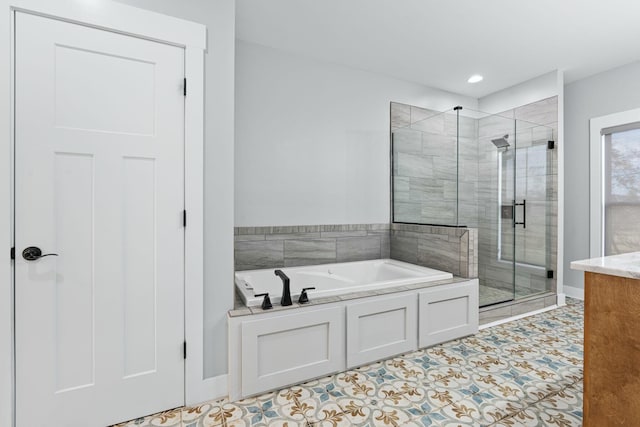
{"x": 452, "y": 249}
{"x": 444, "y": 248}
{"x": 292, "y": 246}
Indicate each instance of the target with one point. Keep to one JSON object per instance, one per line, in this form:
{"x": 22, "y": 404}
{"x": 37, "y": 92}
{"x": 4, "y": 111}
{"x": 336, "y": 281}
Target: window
{"x": 614, "y": 171}
{"x": 621, "y": 216}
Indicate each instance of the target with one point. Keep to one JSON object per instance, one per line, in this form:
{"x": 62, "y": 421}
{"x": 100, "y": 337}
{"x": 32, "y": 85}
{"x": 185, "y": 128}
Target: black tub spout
{"x": 286, "y": 291}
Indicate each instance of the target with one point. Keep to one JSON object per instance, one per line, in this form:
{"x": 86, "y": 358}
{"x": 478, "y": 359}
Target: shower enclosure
{"x": 495, "y": 173}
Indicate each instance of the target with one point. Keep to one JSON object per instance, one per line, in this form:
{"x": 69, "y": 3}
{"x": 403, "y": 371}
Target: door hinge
{"x": 549, "y": 274}
{"x": 13, "y": 253}
{"x": 551, "y": 145}
{"x": 184, "y": 350}
{"x": 185, "y": 87}
{"x": 184, "y": 218}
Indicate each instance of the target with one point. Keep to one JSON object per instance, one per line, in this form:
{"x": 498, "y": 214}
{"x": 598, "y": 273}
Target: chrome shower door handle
{"x": 33, "y": 253}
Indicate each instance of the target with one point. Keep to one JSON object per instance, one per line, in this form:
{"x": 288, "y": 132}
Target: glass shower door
{"x": 527, "y": 217}
{"x": 497, "y": 145}
{"x": 534, "y": 208}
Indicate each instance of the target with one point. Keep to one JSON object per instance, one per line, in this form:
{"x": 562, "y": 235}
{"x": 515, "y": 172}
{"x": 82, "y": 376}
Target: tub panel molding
{"x": 448, "y": 313}
{"x": 270, "y": 350}
{"x": 381, "y": 328}
{"x": 289, "y": 349}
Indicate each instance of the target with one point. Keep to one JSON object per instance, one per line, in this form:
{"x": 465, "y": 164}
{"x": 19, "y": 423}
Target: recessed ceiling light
{"x": 475, "y": 78}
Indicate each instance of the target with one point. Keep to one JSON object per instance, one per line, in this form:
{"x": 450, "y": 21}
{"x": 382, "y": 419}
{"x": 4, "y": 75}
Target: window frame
{"x": 597, "y": 174}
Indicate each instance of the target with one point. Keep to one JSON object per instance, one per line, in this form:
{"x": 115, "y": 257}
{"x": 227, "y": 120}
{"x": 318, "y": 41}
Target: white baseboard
{"x": 519, "y": 316}
{"x": 571, "y": 292}
{"x": 561, "y": 300}
{"x": 208, "y": 389}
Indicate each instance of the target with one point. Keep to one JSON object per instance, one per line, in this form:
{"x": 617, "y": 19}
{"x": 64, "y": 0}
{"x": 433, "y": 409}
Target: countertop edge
{"x": 625, "y": 265}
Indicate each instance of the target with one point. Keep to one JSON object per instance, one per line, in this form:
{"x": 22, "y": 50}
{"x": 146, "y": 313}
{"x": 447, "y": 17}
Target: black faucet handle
{"x": 304, "y": 298}
{"x": 266, "y": 302}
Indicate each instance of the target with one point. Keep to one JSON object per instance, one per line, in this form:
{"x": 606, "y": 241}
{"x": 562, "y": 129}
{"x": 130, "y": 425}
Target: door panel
{"x": 74, "y": 289}
{"x": 534, "y": 190}
{"x": 139, "y": 265}
{"x": 128, "y": 79}
{"x": 99, "y": 176}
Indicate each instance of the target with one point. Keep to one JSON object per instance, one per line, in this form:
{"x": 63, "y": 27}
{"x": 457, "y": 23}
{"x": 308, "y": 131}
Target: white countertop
{"x": 624, "y": 265}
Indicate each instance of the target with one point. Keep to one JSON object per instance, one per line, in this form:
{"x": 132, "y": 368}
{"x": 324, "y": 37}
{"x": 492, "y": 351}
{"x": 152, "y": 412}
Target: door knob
{"x": 33, "y": 253}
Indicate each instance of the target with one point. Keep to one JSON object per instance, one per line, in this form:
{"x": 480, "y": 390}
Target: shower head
{"x": 501, "y": 142}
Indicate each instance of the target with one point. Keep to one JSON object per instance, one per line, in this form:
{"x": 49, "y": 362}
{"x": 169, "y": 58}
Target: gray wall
{"x": 219, "y": 17}
{"x": 312, "y": 138}
{"x": 605, "y": 93}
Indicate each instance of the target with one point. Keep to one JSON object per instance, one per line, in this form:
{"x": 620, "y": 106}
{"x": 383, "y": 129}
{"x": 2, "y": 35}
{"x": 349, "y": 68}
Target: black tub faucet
{"x": 286, "y": 292}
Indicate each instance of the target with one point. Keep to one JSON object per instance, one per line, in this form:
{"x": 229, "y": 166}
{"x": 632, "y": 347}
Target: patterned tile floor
{"x": 523, "y": 373}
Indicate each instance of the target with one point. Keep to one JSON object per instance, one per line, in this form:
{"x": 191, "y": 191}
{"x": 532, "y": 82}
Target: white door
{"x": 99, "y": 180}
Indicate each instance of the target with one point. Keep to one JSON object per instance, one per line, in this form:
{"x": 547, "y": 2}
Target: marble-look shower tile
{"x": 525, "y": 307}
{"x": 450, "y": 190}
{"x": 404, "y": 248}
{"x": 259, "y": 254}
{"x": 378, "y": 227}
{"x": 418, "y": 113}
{"x": 248, "y": 237}
{"x": 358, "y": 248}
{"x": 439, "y": 146}
{"x": 411, "y": 165}
{"x": 336, "y": 234}
{"x": 400, "y": 115}
{"x": 494, "y": 314}
{"x": 294, "y": 229}
{"x": 444, "y": 168}
{"x": 550, "y": 300}
{"x": 467, "y": 127}
{"x": 401, "y": 189}
{"x": 423, "y": 189}
{"x": 407, "y": 212}
{"x": 407, "y": 141}
{"x": 494, "y": 127}
{"x": 544, "y": 133}
{"x": 309, "y": 252}
{"x": 468, "y": 149}
{"x": 440, "y": 253}
{"x": 293, "y": 236}
{"x": 542, "y": 112}
{"x": 385, "y": 246}
{"x": 433, "y": 124}
{"x": 438, "y": 212}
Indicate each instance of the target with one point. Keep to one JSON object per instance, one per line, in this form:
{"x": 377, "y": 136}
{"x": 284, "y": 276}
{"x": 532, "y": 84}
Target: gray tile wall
{"x": 443, "y": 248}
{"x": 425, "y": 188}
{"x": 504, "y": 311}
{"x": 426, "y": 163}
{"x": 291, "y": 246}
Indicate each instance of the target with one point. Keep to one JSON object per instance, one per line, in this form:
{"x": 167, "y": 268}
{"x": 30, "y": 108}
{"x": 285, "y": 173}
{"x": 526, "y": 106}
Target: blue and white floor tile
{"x": 523, "y": 373}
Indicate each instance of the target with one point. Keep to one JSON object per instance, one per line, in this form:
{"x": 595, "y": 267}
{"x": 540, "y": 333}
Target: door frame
{"x": 148, "y": 25}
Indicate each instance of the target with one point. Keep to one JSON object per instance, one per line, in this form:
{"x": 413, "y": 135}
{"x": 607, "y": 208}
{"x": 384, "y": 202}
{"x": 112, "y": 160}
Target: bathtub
{"x": 333, "y": 279}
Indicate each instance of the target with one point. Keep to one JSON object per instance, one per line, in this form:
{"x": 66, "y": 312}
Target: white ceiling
{"x": 440, "y": 43}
